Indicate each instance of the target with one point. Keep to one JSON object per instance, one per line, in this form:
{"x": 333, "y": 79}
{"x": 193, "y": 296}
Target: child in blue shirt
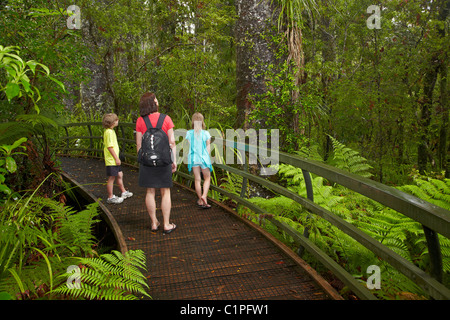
{"x": 199, "y": 160}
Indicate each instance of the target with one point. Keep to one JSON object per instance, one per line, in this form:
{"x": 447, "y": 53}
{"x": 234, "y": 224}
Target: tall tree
{"x": 444, "y": 146}
{"x": 437, "y": 62}
{"x": 253, "y": 53}
{"x": 328, "y": 58}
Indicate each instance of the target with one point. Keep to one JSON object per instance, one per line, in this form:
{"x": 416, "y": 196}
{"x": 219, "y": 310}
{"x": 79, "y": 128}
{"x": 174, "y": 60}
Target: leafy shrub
{"x": 42, "y": 236}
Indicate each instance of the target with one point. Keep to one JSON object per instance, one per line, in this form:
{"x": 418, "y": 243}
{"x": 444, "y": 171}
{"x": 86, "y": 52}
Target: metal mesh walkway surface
{"x": 211, "y": 255}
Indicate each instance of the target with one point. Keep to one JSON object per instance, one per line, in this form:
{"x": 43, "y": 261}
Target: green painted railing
{"x": 434, "y": 219}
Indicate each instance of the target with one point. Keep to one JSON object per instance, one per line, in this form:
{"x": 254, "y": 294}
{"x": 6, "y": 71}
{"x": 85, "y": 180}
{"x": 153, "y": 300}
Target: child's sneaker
{"x": 126, "y": 194}
{"x": 114, "y": 200}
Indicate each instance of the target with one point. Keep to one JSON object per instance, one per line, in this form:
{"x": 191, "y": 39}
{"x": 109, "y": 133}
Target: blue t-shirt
{"x": 198, "y": 153}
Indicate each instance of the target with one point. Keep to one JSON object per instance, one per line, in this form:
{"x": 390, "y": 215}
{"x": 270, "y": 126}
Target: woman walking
{"x": 154, "y": 178}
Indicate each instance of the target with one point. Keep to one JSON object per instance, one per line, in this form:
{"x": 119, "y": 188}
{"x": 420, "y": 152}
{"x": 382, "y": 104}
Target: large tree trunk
{"x": 444, "y": 147}
{"x": 328, "y": 55}
{"x": 97, "y": 96}
{"x": 252, "y": 54}
{"x": 443, "y": 134}
{"x": 425, "y": 116}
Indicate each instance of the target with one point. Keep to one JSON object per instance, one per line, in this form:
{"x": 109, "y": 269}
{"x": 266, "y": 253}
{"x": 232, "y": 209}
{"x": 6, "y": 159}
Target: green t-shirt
{"x": 110, "y": 140}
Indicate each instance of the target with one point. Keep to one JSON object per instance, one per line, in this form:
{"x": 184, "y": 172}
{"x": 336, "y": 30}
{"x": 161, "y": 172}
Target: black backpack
{"x": 155, "y": 149}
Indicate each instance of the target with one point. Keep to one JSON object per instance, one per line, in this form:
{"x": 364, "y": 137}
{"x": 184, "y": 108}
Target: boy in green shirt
{"x": 112, "y": 161}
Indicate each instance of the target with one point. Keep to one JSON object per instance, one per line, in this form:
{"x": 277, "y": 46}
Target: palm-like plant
{"x": 290, "y": 19}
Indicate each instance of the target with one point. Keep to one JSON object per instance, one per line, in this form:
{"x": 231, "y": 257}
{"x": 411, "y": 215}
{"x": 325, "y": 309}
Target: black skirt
{"x": 155, "y": 177}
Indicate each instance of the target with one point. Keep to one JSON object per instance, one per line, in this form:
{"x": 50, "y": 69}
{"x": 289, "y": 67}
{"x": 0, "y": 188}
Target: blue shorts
{"x": 113, "y": 171}
{"x": 202, "y": 166}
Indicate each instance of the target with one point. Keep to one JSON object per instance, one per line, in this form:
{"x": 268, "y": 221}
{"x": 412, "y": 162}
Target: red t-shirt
{"x": 167, "y": 125}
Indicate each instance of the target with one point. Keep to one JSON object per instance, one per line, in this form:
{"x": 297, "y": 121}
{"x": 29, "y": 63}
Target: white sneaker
{"x": 126, "y": 194}
{"x": 114, "y": 200}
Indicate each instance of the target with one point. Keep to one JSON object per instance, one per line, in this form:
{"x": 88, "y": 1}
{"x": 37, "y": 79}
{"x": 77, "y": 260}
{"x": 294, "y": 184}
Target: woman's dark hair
{"x": 147, "y": 104}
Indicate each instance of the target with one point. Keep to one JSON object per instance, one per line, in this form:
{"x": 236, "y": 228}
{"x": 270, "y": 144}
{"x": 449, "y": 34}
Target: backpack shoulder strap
{"x": 147, "y": 121}
{"x": 161, "y": 119}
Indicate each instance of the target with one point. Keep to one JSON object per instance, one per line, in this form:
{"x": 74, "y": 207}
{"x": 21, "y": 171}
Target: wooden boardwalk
{"x": 213, "y": 254}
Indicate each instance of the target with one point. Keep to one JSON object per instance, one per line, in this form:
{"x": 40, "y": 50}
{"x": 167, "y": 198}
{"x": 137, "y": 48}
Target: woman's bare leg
{"x": 166, "y": 206}
{"x": 150, "y": 203}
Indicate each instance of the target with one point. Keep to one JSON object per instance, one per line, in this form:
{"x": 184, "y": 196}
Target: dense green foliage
{"x": 348, "y": 76}
{"x": 399, "y": 233}
{"x": 41, "y": 237}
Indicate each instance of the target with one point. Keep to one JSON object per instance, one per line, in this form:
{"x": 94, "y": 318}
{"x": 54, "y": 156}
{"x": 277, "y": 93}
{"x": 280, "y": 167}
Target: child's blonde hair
{"x": 196, "y": 119}
{"x": 109, "y": 119}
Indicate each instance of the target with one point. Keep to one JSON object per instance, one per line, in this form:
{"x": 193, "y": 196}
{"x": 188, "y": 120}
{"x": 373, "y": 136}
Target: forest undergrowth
{"x": 399, "y": 233}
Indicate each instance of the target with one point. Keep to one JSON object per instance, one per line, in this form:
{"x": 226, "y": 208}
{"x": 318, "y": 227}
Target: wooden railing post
{"x": 244, "y": 181}
{"x": 91, "y": 143}
{"x": 122, "y": 147}
{"x": 67, "y": 137}
{"x": 434, "y": 250}
{"x": 310, "y": 196}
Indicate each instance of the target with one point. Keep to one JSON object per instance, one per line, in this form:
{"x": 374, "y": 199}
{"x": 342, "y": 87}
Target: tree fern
{"x": 432, "y": 190}
{"x": 323, "y": 194}
{"x": 395, "y": 285}
{"x": 436, "y": 192}
{"x": 39, "y": 237}
{"x": 445, "y": 250}
{"x": 348, "y": 159}
{"x": 399, "y": 233}
{"x": 279, "y": 206}
{"x": 110, "y": 277}
{"x": 389, "y": 232}
{"x": 232, "y": 183}
{"x": 75, "y": 228}
{"x": 291, "y": 174}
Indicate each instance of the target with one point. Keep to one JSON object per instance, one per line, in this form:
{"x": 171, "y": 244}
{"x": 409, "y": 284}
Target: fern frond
{"x": 111, "y": 276}
{"x": 232, "y": 183}
{"x": 279, "y": 206}
{"x": 311, "y": 152}
{"x": 445, "y": 251}
{"x": 434, "y": 191}
{"x": 348, "y": 159}
{"x": 442, "y": 185}
{"x": 75, "y": 228}
{"x": 288, "y": 171}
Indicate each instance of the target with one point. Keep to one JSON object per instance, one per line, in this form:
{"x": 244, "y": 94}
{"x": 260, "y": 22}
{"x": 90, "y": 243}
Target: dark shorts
{"x": 113, "y": 170}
